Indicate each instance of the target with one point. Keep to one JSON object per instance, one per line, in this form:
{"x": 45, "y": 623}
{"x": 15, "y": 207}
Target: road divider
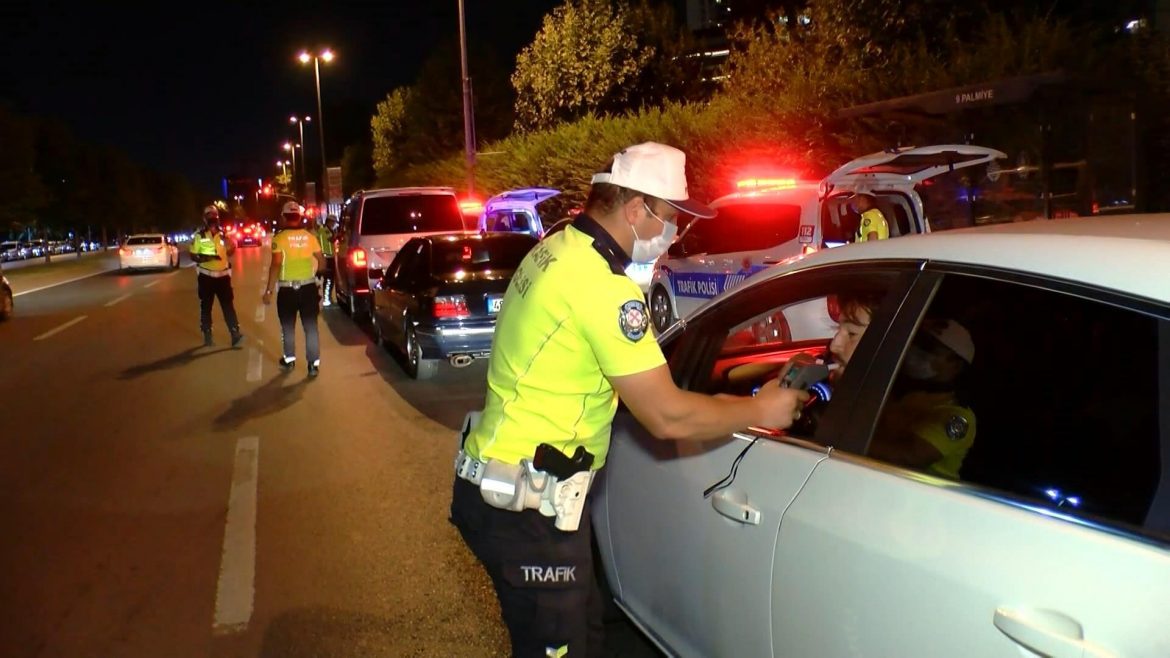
{"x": 53, "y": 332}
{"x": 118, "y": 299}
{"x": 255, "y": 362}
{"x": 236, "y": 590}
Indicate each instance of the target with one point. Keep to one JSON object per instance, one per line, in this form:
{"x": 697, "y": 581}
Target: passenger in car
{"x": 927, "y": 426}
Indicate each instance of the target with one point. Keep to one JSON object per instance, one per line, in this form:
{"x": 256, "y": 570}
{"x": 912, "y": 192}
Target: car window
{"x": 508, "y": 221}
{"x": 149, "y": 239}
{"x": 744, "y": 227}
{"x": 403, "y": 260}
{"x": 1050, "y": 397}
{"x": 410, "y": 214}
{"x": 783, "y": 318}
{"x": 474, "y": 255}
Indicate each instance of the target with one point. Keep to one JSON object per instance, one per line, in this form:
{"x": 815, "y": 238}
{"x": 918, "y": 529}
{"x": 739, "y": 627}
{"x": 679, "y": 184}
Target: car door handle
{"x": 734, "y": 505}
{"x": 1047, "y": 632}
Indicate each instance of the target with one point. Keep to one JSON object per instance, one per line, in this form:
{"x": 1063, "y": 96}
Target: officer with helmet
{"x": 212, "y": 250}
{"x": 326, "y": 231}
{"x": 296, "y": 262}
{"x": 560, "y": 361}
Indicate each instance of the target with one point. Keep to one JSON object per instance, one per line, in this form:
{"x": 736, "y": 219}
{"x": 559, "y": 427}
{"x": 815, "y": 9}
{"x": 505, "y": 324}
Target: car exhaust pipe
{"x": 461, "y": 360}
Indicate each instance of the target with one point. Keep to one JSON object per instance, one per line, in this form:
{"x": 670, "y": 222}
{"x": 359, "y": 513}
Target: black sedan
{"x": 438, "y": 299}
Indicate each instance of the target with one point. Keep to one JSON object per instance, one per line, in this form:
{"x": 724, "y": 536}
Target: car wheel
{"x": 352, "y": 306}
{"x": 415, "y": 365}
{"x": 379, "y": 336}
{"x": 661, "y": 312}
{"x": 5, "y": 305}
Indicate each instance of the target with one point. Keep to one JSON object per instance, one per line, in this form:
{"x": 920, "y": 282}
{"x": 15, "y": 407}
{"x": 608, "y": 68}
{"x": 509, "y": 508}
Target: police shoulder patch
{"x": 633, "y": 320}
{"x": 957, "y": 428}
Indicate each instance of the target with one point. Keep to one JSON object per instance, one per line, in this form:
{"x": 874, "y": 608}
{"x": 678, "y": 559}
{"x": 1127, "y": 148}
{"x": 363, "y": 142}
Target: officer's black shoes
{"x": 314, "y": 369}
{"x": 286, "y": 365}
{"x": 236, "y": 338}
{"x": 207, "y": 342}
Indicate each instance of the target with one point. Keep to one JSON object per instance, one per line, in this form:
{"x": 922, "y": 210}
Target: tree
{"x": 357, "y": 172}
{"x": 586, "y": 58}
{"x": 22, "y": 194}
{"x": 387, "y": 131}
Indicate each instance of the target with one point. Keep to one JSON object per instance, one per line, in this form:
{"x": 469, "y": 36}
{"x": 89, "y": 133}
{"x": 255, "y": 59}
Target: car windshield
{"x": 419, "y": 213}
{"x": 145, "y": 239}
{"x": 744, "y": 227}
{"x": 476, "y": 255}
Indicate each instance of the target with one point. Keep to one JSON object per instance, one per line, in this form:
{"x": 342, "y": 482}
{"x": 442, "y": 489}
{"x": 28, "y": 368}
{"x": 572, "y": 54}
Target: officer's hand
{"x": 267, "y": 298}
{"x": 779, "y": 407}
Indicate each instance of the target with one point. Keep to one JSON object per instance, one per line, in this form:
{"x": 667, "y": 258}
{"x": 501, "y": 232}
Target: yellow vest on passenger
{"x": 570, "y": 319}
{"x": 298, "y": 246}
{"x": 936, "y": 418}
{"x": 873, "y": 221}
{"x": 208, "y": 244}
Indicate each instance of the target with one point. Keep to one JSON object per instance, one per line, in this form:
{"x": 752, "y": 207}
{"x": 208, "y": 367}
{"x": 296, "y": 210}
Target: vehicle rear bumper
{"x": 447, "y": 340}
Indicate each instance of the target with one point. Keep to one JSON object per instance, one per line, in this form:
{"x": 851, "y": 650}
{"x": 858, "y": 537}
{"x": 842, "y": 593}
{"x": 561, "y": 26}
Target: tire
{"x": 379, "y": 337}
{"x": 6, "y": 305}
{"x": 413, "y": 362}
{"x": 661, "y": 311}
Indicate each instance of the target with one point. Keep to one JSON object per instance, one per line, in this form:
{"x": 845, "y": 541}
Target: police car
{"x": 772, "y": 221}
{"x": 515, "y": 211}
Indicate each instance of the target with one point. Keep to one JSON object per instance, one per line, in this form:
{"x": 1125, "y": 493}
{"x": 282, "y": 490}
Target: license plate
{"x": 494, "y": 304}
{"x": 141, "y": 252}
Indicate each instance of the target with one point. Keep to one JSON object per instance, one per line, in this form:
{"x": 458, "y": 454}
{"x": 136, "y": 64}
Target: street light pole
{"x": 468, "y": 122}
{"x": 304, "y": 57}
{"x": 301, "y": 127}
{"x": 292, "y": 148}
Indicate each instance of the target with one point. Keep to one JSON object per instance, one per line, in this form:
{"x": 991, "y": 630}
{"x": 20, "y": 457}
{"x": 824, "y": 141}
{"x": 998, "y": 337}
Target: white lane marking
{"x": 53, "y": 332}
{"x": 59, "y": 283}
{"x": 152, "y": 283}
{"x": 236, "y": 588}
{"x": 255, "y": 362}
{"x": 115, "y": 301}
{"x": 165, "y": 276}
{"x": 260, "y": 311}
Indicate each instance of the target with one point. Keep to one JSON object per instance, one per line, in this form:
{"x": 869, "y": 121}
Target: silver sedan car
{"x": 988, "y": 476}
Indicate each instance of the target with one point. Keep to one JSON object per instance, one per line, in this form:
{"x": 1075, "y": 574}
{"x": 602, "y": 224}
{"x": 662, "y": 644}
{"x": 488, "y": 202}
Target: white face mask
{"x": 648, "y": 251}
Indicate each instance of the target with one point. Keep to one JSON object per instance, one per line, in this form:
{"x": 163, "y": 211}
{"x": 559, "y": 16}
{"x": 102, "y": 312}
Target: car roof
{"x": 799, "y": 192}
{"x": 407, "y": 191}
{"x": 474, "y": 235}
{"x": 1128, "y": 253}
{"x": 146, "y": 235}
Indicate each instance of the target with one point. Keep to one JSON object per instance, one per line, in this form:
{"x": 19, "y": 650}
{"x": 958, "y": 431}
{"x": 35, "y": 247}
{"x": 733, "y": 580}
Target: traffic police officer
{"x": 873, "y": 224}
{"x": 572, "y": 337}
{"x": 325, "y": 233}
{"x": 212, "y": 251}
{"x": 296, "y": 260}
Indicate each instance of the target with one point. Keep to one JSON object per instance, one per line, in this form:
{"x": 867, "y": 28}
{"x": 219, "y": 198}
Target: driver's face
{"x": 854, "y": 321}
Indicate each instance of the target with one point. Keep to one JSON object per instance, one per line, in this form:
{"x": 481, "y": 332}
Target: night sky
{"x": 206, "y": 88}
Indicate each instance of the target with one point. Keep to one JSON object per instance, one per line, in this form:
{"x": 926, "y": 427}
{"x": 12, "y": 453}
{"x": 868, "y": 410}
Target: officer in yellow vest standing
{"x": 573, "y": 337}
{"x": 325, "y": 233}
{"x": 296, "y": 260}
{"x": 212, "y": 252}
{"x": 873, "y": 224}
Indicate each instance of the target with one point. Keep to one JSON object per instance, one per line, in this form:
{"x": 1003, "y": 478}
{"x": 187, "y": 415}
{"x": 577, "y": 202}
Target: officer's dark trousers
{"x": 211, "y": 288}
{"x": 543, "y": 576}
{"x": 290, "y": 302}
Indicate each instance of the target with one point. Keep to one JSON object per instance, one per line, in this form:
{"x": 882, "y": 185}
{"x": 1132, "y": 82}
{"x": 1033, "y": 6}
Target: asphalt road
{"x": 159, "y": 498}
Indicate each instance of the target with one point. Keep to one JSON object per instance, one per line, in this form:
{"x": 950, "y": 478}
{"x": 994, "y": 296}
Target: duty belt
{"x": 296, "y": 285}
{"x": 215, "y": 274}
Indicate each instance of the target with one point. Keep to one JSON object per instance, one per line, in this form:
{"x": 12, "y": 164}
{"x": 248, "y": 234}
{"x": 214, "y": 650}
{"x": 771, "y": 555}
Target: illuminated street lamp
{"x": 301, "y": 127}
{"x": 305, "y": 57}
{"x": 292, "y": 148}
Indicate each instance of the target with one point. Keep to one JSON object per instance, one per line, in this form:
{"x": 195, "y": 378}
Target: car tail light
{"x": 357, "y": 257}
{"x": 126, "y": 251}
{"x": 451, "y": 306}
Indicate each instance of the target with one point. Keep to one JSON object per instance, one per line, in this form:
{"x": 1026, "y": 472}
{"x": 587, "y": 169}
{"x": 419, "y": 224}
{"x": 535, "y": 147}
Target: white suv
{"x": 786, "y": 220}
